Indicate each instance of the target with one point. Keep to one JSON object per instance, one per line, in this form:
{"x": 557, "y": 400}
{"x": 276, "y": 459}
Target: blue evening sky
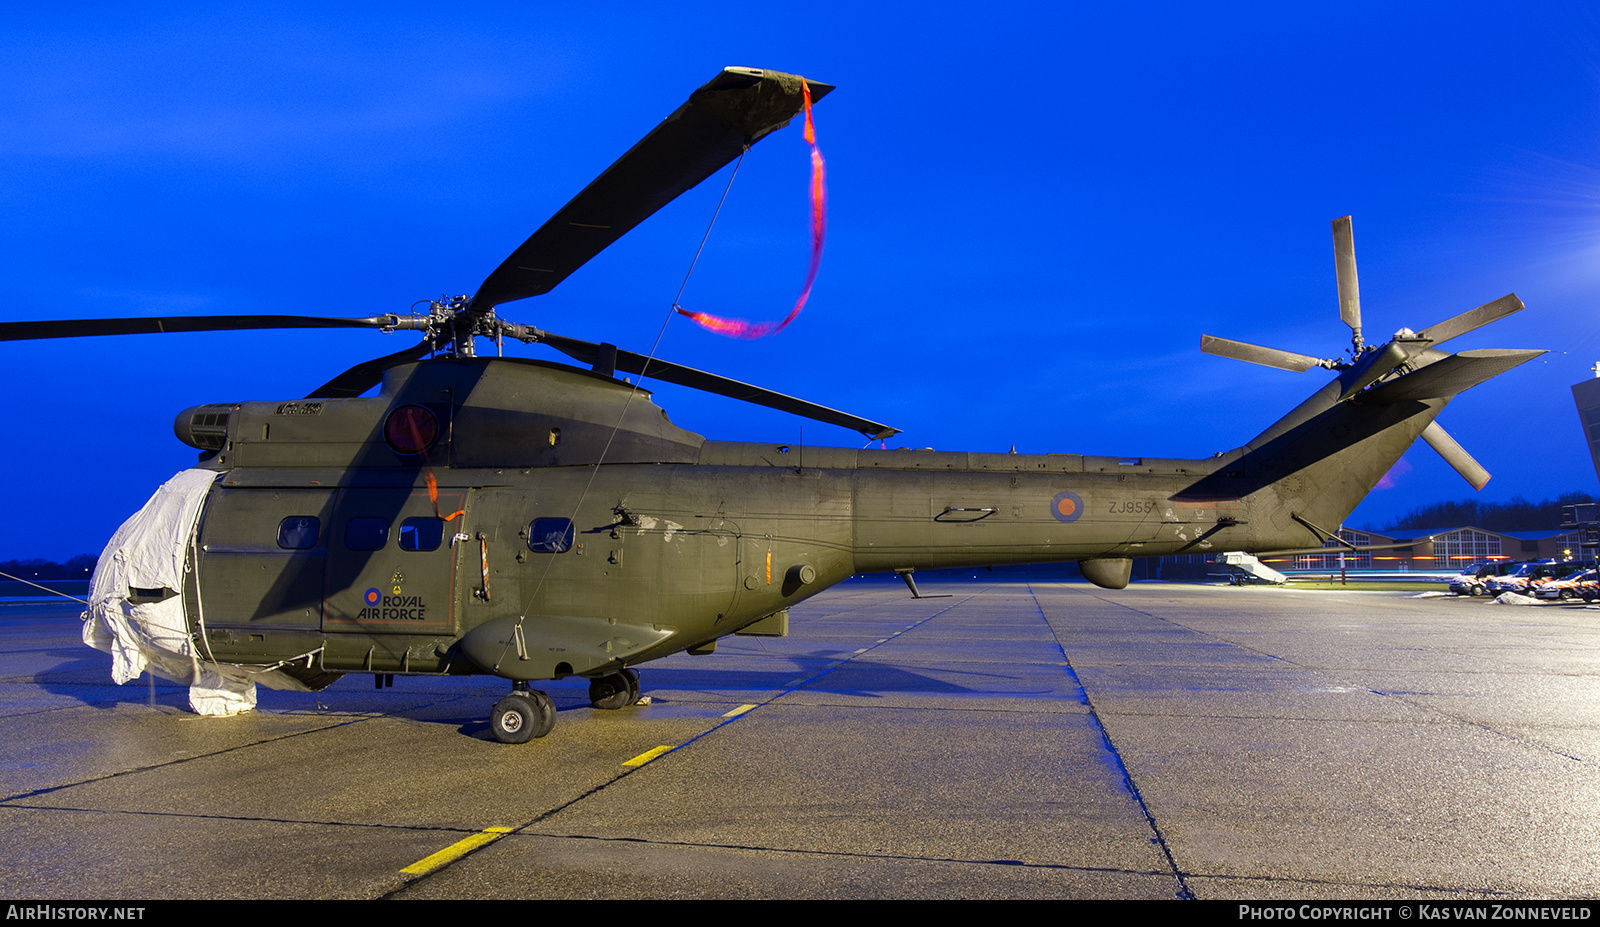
{"x": 1036, "y": 211}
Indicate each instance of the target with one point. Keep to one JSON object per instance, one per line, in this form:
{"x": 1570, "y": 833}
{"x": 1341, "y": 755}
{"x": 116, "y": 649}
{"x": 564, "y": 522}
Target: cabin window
{"x": 299, "y": 532}
{"x": 366, "y": 533}
{"x": 550, "y": 535}
{"x": 425, "y": 533}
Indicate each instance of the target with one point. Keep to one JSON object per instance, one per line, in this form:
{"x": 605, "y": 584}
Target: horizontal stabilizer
{"x": 1449, "y": 376}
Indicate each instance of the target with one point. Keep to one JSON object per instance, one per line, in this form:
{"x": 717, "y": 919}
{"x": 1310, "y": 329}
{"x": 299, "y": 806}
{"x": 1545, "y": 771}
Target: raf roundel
{"x": 1066, "y": 507}
{"x": 373, "y": 597}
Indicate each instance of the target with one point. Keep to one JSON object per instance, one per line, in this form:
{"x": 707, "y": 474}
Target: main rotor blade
{"x": 1344, "y": 260}
{"x": 733, "y": 111}
{"x": 364, "y": 376}
{"x": 1455, "y": 455}
{"x": 1473, "y": 319}
{"x": 628, "y": 362}
{"x": 83, "y": 328}
{"x": 1256, "y": 354}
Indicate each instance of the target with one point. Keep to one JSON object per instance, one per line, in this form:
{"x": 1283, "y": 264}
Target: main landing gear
{"x": 528, "y": 713}
{"x": 523, "y": 715}
{"x": 614, "y": 690}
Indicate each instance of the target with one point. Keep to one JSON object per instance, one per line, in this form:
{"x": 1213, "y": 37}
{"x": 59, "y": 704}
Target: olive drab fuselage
{"x": 574, "y": 529}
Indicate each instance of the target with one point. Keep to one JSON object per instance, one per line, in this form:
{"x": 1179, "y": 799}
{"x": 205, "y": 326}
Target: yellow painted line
{"x": 739, "y": 711}
{"x": 647, "y": 756}
{"x": 455, "y": 851}
{"x": 862, "y": 650}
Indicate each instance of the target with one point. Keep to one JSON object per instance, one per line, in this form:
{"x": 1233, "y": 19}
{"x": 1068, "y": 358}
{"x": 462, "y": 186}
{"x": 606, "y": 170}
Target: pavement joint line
{"x": 1454, "y": 891}
{"x": 635, "y": 764}
{"x": 645, "y": 758}
{"x": 455, "y": 851}
{"x": 1127, "y": 776}
{"x": 240, "y": 818}
{"x": 1335, "y": 677}
{"x": 6, "y": 800}
{"x": 843, "y": 854}
{"x": 794, "y": 684}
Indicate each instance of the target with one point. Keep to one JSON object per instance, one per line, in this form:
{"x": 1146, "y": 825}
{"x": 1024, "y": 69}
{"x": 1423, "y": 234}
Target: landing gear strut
{"x": 523, "y": 715}
{"x": 614, "y": 690}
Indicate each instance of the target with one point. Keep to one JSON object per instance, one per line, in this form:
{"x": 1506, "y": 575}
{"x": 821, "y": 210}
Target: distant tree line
{"x": 1516, "y": 515}
{"x": 79, "y": 567}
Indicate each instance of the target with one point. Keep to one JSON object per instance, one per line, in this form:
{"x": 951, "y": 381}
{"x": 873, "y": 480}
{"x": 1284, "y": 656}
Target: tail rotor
{"x": 1371, "y": 366}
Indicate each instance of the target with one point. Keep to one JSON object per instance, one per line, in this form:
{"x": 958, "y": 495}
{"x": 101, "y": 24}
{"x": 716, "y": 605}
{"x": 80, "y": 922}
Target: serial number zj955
{"x": 1130, "y": 507}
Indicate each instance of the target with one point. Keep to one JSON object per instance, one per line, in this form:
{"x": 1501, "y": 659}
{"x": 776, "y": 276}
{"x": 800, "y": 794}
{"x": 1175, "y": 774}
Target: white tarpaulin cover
{"x": 147, "y": 554}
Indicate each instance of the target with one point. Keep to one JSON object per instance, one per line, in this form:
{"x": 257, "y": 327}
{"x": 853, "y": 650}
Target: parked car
{"x": 1525, "y": 579}
{"x": 1584, "y": 585}
{"x": 1474, "y": 579}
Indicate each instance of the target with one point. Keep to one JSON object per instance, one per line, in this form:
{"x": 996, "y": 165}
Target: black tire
{"x": 546, "y": 710}
{"x": 514, "y": 720}
{"x": 610, "y": 692}
{"x": 1475, "y": 591}
{"x": 633, "y": 685}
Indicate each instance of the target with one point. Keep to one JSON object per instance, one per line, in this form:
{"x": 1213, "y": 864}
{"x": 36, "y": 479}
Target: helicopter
{"x": 538, "y": 521}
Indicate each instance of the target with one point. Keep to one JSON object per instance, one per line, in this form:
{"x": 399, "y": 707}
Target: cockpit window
{"x": 298, "y": 532}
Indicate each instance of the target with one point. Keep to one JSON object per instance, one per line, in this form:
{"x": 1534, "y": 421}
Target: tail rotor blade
{"x": 1256, "y": 354}
{"x": 1344, "y": 259}
{"x": 1473, "y": 319}
{"x": 1455, "y": 455}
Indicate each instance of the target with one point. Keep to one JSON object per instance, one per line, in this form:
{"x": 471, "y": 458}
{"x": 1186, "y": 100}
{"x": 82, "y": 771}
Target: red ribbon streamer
{"x": 427, "y": 472}
{"x": 739, "y": 328}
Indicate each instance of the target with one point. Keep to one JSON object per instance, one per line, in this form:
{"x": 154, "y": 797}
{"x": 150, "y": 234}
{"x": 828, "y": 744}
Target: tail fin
{"x": 1309, "y": 470}
{"x": 1315, "y": 464}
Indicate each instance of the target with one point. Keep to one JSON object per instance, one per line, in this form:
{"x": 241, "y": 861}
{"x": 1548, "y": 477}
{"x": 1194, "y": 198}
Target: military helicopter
{"x": 537, "y": 521}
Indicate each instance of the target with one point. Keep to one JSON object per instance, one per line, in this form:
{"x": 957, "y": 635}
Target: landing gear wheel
{"x": 522, "y": 716}
{"x": 614, "y": 690}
